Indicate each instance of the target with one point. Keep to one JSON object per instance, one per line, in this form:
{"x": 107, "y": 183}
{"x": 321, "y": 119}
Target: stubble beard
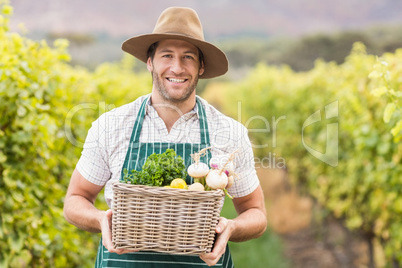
{"x": 164, "y": 93}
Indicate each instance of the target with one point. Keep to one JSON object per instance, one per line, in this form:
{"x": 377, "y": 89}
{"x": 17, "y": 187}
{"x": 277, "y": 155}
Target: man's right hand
{"x": 106, "y": 225}
{"x": 80, "y": 211}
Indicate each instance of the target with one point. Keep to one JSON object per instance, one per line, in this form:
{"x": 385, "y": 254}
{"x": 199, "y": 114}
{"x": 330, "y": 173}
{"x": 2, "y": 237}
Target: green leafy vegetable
{"x": 158, "y": 170}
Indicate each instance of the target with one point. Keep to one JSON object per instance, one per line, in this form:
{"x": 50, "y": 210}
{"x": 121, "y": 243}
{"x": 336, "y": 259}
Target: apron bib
{"x": 136, "y": 155}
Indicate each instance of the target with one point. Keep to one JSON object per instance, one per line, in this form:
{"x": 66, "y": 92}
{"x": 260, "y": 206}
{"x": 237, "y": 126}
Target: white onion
{"x": 198, "y": 170}
{"x": 216, "y": 179}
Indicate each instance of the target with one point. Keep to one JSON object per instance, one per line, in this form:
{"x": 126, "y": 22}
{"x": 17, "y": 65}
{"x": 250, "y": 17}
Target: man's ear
{"x": 202, "y": 69}
{"x": 150, "y": 67}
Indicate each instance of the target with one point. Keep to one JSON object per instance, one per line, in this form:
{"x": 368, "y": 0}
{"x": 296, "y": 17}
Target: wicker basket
{"x": 165, "y": 220}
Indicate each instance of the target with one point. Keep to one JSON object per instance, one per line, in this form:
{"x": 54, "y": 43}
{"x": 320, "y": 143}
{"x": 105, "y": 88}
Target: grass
{"x": 263, "y": 252}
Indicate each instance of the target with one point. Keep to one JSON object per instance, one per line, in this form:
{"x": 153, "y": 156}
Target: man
{"x": 177, "y": 56}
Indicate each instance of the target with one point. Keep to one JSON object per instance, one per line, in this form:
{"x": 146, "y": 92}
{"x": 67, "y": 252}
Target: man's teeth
{"x": 174, "y": 80}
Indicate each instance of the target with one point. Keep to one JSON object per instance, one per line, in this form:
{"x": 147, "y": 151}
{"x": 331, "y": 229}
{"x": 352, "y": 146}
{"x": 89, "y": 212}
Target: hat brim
{"x": 215, "y": 60}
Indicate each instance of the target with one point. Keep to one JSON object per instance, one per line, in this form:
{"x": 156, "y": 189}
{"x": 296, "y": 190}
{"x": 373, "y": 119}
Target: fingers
{"x": 213, "y": 257}
{"x": 107, "y": 235}
{"x": 121, "y": 250}
{"x": 106, "y": 227}
{"x": 221, "y": 226}
{"x": 222, "y": 239}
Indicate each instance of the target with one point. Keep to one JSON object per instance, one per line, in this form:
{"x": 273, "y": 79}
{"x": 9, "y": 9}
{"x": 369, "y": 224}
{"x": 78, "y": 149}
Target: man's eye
{"x": 189, "y": 57}
{"x": 167, "y": 56}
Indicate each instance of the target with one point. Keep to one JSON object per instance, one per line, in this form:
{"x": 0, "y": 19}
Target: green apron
{"x": 136, "y": 154}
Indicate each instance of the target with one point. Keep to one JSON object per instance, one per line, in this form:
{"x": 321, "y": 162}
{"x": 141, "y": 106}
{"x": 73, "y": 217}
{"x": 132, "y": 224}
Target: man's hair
{"x": 152, "y": 49}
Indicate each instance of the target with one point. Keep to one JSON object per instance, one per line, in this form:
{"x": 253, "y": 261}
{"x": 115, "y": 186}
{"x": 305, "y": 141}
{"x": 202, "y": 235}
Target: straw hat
{"x": 184, "y": 24}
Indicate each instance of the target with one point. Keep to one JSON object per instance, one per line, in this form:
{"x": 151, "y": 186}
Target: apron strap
{"x": 204, "y": 132}
{"x": 135, "y": 135}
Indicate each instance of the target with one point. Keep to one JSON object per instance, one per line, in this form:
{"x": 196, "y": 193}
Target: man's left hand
{"x": 224, "y": 230}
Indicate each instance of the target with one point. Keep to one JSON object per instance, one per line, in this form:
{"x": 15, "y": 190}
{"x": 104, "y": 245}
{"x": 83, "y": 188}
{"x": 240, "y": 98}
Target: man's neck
{"x": 171, "y": 112}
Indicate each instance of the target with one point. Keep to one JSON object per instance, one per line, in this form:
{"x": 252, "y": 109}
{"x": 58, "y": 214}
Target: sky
{"x": 219, "y": 17}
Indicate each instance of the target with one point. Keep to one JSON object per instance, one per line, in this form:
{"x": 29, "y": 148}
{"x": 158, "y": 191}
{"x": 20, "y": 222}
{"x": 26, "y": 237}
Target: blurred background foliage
{"x": 47, "y": 104}
{"x": 301, "y": 53}
{"x": 46, "y": 108}
{"x": 364, "y": 188}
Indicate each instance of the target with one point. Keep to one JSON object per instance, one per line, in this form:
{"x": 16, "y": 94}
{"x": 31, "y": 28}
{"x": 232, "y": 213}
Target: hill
{"x": 96, "y": 28}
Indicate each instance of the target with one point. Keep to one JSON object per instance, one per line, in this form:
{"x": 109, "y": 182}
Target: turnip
{"x": 230, "y": 182}
{"x": 196, "y": 186}
{"x": 217, "y": 179}
{"x": 218, "y": 161}
{"x": 198, "y": 170}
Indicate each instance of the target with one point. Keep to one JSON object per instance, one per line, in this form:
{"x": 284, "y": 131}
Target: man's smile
{"x": 176, "y": 80}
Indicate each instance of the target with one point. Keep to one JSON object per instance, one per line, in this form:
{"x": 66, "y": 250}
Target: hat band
{"x": 178, "y": 33}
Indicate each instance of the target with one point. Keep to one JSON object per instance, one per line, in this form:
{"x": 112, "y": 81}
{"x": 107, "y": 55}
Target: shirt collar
{"x": 152, "y": 113}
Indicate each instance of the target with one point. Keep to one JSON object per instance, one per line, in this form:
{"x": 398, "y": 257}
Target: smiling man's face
{"x": 175, "y": 68}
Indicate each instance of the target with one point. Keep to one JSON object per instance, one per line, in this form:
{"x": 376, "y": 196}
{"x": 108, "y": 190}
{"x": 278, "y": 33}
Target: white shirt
{"x": 107, "y": 142}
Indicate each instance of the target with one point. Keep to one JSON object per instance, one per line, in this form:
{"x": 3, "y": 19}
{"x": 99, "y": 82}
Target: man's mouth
{"x": 176, "y": 80}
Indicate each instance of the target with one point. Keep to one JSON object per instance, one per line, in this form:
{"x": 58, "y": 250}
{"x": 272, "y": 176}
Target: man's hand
{"x": 106, "y": 226}
{"x": 250, "y": 223}
{"x": 80, "y": 211}
{"x": 224, "y": 230}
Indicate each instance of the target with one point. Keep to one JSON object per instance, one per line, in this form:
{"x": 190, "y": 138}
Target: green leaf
{"x": 22, "y": 111}
{"x": 375, "y": 74}
{"x": 389, "y": 111}
{"x": 354, "y": 222}
{"x": 7, "y": 10}
{"x": 378, "y": 92}
{"x": 398, "y": 205}
{"x": 397, "y": 130}
{"x": 23, "y": 259}
{"x": 16, "y": 241}
{"x": 3, "y": 157}
{"x": 158, "y": 170}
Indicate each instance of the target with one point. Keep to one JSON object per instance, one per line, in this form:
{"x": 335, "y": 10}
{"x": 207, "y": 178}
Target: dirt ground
{"x": 310, "y": 239}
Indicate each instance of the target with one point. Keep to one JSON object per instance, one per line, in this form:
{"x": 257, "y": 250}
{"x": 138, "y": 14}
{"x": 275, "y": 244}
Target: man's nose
{"x": 177, "y": 66}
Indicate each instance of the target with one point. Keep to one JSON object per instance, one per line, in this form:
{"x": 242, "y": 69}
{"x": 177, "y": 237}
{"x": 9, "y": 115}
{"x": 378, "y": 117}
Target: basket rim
{"x": 164, "y": 190}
